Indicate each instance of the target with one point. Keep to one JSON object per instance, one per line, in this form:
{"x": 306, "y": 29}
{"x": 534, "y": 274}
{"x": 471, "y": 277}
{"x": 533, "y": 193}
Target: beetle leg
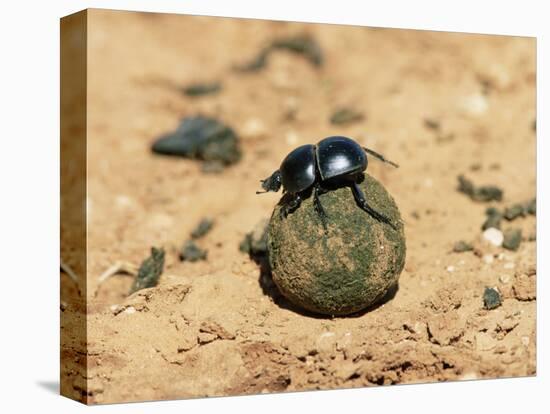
{"x": 291, "y": 205}
{"x": 380, "y": 157}
{"x": 319, "y": 207}
{"x": 362, "y": 202}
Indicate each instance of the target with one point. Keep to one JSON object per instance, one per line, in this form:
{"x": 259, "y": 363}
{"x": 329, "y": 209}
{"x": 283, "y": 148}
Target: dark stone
{"x": 431, "y": 123}
{"x": 303, "y": 45}
{"x": 201, "y": 138}
{"x": 462, "y": 246}
{"x": 200, "y": 89}
{"x": 191, "y": 252}
{"x": 481, "y": 193}
{"x": 202, "y": 228}
{"x": 345, "y": 116}
{"x": 150, "y": 270}
{"x": 494, "y": 217}
{"x": 255, "y": 242}
{"x": 512, "y": 239}
{"x": 513, "y": 212}
{"x": 491, "y": 298}
{"x": 531, "y": 207}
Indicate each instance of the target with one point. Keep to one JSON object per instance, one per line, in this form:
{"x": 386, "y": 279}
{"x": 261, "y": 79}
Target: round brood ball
{"x": 347, "y": 267}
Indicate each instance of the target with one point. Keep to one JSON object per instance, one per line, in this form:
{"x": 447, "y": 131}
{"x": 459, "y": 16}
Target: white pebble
{"x": 450, "y": 269}
{"x": 291, "y": 138}
{"x": 129, "y": 310}
{"x": 525, "y": 340}
{"x": 253, "y": 128}
{"x": 493, "y": 236}
{"x": 475, "y": 104}
{"x": 504, "y": 278}
{"x": 488, "y": 258}
{"x": 509, "y": 265}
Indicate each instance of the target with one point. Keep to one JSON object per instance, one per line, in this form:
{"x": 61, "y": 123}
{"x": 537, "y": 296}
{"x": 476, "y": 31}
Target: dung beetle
{"x": 334, "y": 162}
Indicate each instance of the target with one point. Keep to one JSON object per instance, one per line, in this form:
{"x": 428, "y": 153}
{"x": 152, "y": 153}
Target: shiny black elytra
{"x": 334, "y": 162}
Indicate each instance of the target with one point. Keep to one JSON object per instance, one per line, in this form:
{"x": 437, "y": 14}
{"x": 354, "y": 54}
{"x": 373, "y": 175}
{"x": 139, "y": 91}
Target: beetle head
{"x": 271, "y": 183}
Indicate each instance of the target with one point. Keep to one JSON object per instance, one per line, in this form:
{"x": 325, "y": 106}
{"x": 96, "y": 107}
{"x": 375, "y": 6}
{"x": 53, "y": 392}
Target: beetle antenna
{"x": 380, "y": 157}
{"x": 261, "y": 192}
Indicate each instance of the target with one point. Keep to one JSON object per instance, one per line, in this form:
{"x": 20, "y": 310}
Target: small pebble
{"x": 509, "y": 265}
{"x": 129, "y": 310}
{"x": 531, "y": 207}
{"x": 481, "y": 193}
{"x": 150, "y": 270}
{"x": 432, "y": 123}
{"x": 199, "y": 89}
{"x": 450, "y": 269}
{"x": 494, "y": 217}
{"x": 476, "y": 166}
{"x": 253, "y": 128}
{"x": 493, "y": 236}
{"x": 346, "y": 116}
{"x": 191, "y": 252}
{"x": 302, "y": 44}
{"x": 504, "y": 278}
{"x": 202, "y": 228}
{"x": 488, "y": 258}
{"x": 515, "y": 211}
{"x": 462, "y": 246}
{"x": 255, "y": 242}
{"x": 475, "y": 104}
{"x": 202, "y": 138}
{"x": 491, "y": 298}
{"x": 512, "y": 239}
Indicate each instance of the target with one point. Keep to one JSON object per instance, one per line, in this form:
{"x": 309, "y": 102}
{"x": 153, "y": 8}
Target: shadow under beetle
{"x": 334, "y": 162}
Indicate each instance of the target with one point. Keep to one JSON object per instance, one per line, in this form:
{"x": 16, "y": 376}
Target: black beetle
{"x": 334, "y": 162}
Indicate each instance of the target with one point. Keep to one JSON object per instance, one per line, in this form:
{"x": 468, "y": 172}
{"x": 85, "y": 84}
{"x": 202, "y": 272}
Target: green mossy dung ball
{"x": 346, "y": 268}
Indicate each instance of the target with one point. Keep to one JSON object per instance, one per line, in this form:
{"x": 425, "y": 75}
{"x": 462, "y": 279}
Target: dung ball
{"x": 346, "y": 267}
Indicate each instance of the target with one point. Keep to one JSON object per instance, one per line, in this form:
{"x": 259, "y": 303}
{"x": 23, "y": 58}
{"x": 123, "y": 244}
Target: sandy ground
{"x": 209, "y": 328}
